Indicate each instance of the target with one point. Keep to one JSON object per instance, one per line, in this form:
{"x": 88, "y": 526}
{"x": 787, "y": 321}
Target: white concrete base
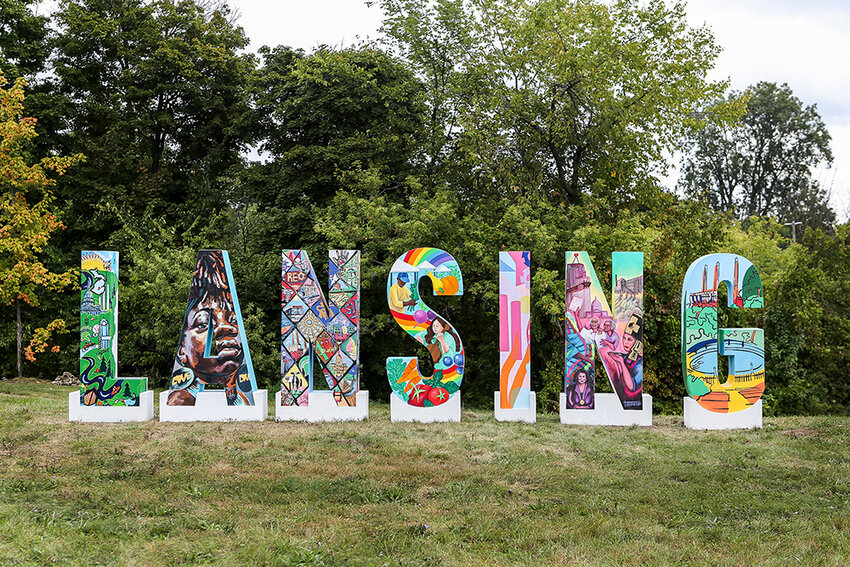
{"x": 110, "y": 414}
{"x": 528, "y": 415}
{"x": 607, "y": 411}
{"x": 449, "y": 411}
{"x": 697, "y": 417}
{"x": 211, "y": 405}
{"x": 323, "y": 408}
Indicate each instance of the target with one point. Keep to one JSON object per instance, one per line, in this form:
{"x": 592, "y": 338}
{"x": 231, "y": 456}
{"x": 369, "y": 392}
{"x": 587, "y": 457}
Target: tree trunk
{"x": 20, "y": 334}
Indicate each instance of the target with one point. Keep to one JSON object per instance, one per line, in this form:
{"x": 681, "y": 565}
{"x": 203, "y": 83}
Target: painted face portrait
{"x": 212, "y": 318}
{"x": 212, "y": 348}
{"x": 633, "y": 337}
{"x": 437, "y": 328}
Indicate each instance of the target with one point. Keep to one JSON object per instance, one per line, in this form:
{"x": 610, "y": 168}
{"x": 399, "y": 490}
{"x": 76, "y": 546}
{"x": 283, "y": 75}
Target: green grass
{"x": 478, "y": 493}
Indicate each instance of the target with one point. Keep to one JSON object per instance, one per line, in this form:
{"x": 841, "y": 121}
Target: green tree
{"x": 153, "y": 92}
{"x": 559, "y": 98}
{"x": 23, "y": 39}
{"x": 809, "y": 327}
{"x": 672, "y": 237}
{"x": 27, "y": 219}
{"x": 156, "y": 283}
{"x": 335, "y": 119}
{"x": 762, "y": 165}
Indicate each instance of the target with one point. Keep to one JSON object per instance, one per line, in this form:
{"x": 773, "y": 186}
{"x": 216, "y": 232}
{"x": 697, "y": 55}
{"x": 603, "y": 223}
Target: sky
{"x": 783, "y": 41}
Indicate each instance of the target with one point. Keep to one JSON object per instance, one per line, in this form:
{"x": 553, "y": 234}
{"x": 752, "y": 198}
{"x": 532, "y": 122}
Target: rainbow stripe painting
{"x": 426, "y": 327}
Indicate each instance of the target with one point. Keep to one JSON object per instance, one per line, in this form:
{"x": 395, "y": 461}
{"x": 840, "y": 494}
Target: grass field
{"x": 477, "y": 493}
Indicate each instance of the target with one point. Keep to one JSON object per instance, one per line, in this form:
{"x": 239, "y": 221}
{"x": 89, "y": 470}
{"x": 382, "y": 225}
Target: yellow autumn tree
{"x": 26, "y": 218}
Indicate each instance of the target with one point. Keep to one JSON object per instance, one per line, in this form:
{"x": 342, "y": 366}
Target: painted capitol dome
{"x": 88, "y": 305}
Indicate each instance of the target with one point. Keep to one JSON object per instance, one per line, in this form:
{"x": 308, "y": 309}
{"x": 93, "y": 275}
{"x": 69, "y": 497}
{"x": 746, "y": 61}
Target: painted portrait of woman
{"x": 580, "y": 394}
{"x": 626, "y": 366}
{"x": 441, "y": 341}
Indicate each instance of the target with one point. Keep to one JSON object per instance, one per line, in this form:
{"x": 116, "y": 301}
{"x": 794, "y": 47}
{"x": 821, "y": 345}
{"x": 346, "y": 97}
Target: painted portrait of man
{"x": 211, "y": 351}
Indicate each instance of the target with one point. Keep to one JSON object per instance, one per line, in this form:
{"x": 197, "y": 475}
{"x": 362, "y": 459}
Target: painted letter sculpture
{"x": 311, "y": 325}
{"x": 99, "y": 382}
{"x": 426, "y": 327}
{"x": 514, "y": 330}
{"x": 212, "y": 321}
{"x": 702, "y": 341}
{"x": 592, "y": 326}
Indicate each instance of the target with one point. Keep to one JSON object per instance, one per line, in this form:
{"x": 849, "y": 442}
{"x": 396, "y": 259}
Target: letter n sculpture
{"x": 612, "y": 332}
{"x": 311, "y": 327}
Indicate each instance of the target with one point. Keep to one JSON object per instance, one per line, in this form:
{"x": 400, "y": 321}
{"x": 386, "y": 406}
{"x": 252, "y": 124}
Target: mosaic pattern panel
{"x": 311, "y": 326}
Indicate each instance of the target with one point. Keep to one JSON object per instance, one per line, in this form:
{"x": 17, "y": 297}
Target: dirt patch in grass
{"x": 800, "y": 432}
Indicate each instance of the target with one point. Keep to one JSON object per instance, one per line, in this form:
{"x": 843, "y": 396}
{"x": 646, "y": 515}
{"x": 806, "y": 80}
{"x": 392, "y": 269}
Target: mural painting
{"x": 593, "y": 327}
{"x": 99, "y": 382}
{"x": 702, "y": 341}
{"x": 310, "y": 325}
{"x": 515, "y": 330}
{"x": 426, "y": 326}
{"x": 213, "y": 351}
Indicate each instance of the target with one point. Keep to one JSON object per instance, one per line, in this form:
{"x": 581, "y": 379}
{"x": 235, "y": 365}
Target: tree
{"x": 26, "y": 218}
{"x": 154, "y": 92}
{"x": 762, "y": 165}
{"x": 23, "y": 39}
{"x": 559, "y": 98}
{"x": 349, "y": 119}
{"x": 336, "y": 118}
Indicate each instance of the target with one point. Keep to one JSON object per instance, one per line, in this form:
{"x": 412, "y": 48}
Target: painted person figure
{"x": 104, "y": 334}
{"x": 399, "y": 294}
{"x": 441, "y": 341}
{"x": 591, "y": 333}
{"x": 610, "y": 339}
{"x": 210, "y": 317}
{"x": 626, "y": 366}
{"x": 580, "y": 392}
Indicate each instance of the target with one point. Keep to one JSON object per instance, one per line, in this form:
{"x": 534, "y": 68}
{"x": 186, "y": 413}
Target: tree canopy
{"x": 762, "y": 164}
{"x": 558, "y": 98}
{"x": 153, "y": 92}
{"x": 23, "y": 39}
{"x": 27, "y": 218}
